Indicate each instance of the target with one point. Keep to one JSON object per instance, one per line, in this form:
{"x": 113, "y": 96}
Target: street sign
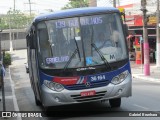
{"x": 152, "y": 20}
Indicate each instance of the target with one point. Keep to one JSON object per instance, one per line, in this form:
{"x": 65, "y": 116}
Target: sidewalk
{"x": 9, "y": 95}
{"x": 137, "y": 72}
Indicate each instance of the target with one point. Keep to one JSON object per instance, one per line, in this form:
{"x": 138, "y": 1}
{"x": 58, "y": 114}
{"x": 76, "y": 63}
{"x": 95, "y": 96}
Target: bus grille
{"x": 97, "y": 96}
{"x": 83, "y": 86}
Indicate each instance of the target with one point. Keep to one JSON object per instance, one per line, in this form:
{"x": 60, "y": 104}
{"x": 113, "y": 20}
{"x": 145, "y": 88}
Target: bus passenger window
{"x": 44, "y": 43}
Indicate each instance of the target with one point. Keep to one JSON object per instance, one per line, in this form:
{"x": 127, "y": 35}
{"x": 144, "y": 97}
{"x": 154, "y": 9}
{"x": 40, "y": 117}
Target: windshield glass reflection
{"x": 68, "y": 42}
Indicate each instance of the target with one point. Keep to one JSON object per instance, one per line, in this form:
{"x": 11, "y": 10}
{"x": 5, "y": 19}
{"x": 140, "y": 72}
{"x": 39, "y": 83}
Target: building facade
{"x": 13, "y": 39}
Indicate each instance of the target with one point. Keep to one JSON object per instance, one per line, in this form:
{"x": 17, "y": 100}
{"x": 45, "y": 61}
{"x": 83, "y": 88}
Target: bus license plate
{"x": 88, "y": 93}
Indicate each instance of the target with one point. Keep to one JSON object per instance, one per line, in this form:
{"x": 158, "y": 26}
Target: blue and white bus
{"x": 68, "y": 63}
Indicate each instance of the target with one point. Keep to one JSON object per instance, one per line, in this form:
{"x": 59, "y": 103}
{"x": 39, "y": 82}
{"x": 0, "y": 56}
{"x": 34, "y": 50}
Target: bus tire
{"x": 46, "y": 110}
{"x": 115, "y": 103}
{"x": 38, "y": 103}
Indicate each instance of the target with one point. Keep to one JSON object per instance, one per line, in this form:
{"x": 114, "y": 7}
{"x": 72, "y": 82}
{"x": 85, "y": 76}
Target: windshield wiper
{"x": 74, "y": 53}
{"x": 100, "y": 54}
{"x": 77, "y": 49}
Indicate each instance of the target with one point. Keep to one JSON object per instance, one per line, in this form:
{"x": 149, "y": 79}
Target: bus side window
{"x": 44, "y": 43}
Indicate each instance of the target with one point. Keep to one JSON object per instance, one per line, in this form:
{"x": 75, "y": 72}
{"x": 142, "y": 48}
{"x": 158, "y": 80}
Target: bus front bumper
{"x": 53, "y": 98}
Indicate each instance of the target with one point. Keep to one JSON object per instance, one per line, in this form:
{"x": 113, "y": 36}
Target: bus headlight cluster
{"x": 54, "y": 86}
{"x": 119, "y": 78}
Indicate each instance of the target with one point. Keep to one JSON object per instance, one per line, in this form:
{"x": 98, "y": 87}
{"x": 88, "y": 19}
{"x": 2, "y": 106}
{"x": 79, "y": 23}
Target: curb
{"x": 16, "y": 108}
{"x": 147, "y": 78}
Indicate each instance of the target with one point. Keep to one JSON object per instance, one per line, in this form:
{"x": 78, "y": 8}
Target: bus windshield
{"x": 81, "y": 41}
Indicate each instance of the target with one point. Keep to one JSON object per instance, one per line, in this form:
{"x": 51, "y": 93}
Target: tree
{"x": 3, "y": 22}
{"x": 76, "y": 4}
{"x": 15, "y": 19}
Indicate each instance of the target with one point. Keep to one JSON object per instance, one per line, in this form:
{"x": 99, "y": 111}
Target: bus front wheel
{"x": 46, "y": 110}
{"x": 38, "y": 103}
{"x": 114, "y": 103}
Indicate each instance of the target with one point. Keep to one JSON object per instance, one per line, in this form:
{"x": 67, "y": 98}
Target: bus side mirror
{"x": 126, "y": 29}
{"x": 30, "y": 41}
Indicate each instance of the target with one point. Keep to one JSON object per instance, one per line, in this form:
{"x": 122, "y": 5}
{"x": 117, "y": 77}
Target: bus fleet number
{"x": 98, "y": 78}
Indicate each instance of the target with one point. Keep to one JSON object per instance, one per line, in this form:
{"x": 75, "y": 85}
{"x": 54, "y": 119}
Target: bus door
{"x": 35, "y": 78}
{"x": 34, "y": 70}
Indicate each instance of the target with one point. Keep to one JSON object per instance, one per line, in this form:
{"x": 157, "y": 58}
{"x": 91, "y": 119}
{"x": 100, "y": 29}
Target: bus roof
{"x": 74, "y": 12}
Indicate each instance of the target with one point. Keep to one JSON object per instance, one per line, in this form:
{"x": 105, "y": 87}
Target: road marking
{"x": 14, "y": 96}
{"x": 141, "y": 107}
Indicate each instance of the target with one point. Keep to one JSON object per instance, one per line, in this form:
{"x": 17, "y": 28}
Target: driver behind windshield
{"x": 103, "y": 41}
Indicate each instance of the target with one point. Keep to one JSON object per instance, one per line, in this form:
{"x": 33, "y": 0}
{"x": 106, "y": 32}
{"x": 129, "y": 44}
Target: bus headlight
{"x": 54, "y": 86}
{"x": 119, "y": 78}
{"x": 58, "y": 87}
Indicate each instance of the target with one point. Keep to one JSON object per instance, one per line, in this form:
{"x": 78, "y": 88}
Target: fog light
{"x": 120, "y": 91}
{"x": 57, "y": 99}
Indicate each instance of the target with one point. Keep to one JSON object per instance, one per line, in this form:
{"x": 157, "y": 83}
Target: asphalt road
{"x": 145, "y": 97}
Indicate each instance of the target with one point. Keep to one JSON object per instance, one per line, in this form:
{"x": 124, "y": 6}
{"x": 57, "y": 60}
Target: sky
{"x": 121, "y": 2}
{"x": 41, "y": 6}
{"x": 37, "y": 5}
{"x": 151, "y": 5}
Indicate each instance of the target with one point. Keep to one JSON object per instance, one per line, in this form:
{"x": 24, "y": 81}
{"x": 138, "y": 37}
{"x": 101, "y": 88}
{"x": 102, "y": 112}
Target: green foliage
{"x": 3, "y": 22}
{"x": 15, "y": 19}
{"x": 7, "y": 59}
{"x": 76, "y": 4}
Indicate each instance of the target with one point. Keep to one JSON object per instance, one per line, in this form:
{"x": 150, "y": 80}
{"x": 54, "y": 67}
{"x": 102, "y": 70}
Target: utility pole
{"x": 10, "y": 32}
{"x": 114, "y": 3}
{"x": 145, "y": 40}
{"x": 30, "y": 6}
{"x": 118, "y": 3}
{"x": 14, "y": 7}
{"x": 158, "y": 38}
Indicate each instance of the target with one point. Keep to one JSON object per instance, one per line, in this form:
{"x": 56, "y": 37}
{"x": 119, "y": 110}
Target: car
{"x": 26, "y": 66}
